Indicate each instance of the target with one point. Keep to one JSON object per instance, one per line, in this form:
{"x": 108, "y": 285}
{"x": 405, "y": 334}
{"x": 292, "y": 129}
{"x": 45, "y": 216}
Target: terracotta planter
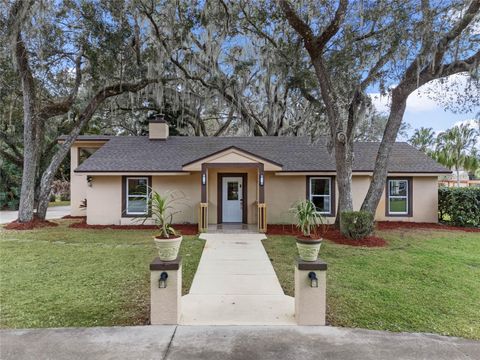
{"x": 168, "y": 248}
{"x": 308, "y": 248}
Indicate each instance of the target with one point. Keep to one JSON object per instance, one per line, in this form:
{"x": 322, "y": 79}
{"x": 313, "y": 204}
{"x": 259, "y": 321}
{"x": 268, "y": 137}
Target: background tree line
{"x": 220, "y": 67}
{"x": 455, "y": 148}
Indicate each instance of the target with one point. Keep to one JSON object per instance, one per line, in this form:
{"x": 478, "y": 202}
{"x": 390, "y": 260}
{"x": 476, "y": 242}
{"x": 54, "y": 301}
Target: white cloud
{"x": 470, "y": 122}
{"x": 421, "y": 100}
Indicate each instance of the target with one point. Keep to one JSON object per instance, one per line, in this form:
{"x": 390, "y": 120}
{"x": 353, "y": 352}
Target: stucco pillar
{"x": 310, "y": 299}
{"x": 165, "y": 303}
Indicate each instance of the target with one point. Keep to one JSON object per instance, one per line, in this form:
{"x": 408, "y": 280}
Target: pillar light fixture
{"x": 204, "y": 179}
{"x": 162, "y": 281}
{"x": 313, "y": 279}
{"x": 261, "y": 179}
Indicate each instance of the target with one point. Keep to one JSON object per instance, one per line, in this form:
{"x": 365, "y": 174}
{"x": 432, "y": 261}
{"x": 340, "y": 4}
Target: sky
{"x": 423, "y": 111}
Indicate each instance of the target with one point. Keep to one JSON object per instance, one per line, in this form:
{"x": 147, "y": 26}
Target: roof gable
{"x": 232, "y": 155}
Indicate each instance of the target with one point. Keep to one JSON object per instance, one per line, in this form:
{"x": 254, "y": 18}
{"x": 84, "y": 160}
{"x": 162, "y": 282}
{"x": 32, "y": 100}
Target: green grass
{"x": 423, "y": 281}
{"x": 60, "y": 277}
{"x": 58, "y": 203}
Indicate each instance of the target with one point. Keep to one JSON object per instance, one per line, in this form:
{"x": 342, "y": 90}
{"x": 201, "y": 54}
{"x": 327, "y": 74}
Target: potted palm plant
{"x": 308, "y": 221}
{"x": 162, "y": 211}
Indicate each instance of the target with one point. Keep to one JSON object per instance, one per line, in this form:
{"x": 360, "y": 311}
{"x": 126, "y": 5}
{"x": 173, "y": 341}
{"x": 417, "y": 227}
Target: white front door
{"x": 232, "y": 199}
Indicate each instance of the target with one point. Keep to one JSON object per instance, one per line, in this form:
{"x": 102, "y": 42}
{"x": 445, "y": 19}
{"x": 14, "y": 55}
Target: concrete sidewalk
{"x": 54, "y": 212}
{"x": 235, "y": 284}
{"x": 229, "y": 342}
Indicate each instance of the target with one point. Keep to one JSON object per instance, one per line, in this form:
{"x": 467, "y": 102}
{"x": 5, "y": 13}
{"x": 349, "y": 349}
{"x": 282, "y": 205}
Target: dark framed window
{"x": 84, "y": 153}
{"x": 321, "y": 191}
{"x": 399, "y": 197}
{"x": 135, "y": 195}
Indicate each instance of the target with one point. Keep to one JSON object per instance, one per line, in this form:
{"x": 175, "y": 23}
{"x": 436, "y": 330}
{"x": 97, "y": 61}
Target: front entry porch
{"x": 232, "y": 198}
{"x": 232, "y": 189}
{"x": 233, "y": 228}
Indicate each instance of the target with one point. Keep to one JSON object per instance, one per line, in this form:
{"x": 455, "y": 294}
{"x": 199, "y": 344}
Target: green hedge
{"x": 356, "y": 224}
{"x": 459, "y": 206}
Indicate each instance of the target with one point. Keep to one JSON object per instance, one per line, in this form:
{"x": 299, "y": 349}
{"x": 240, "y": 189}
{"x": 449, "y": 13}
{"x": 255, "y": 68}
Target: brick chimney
{"x": 157, "y": 127}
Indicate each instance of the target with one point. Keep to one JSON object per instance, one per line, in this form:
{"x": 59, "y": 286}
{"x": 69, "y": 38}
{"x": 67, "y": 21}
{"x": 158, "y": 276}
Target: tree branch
{"x": 334, "y": 25}
{"x": 13, "y": 159}
{"x": 11, "y": 144}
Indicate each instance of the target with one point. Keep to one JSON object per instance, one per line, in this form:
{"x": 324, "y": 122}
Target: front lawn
{"x": 58, "y": 277}
{"x": 422, "y": 281}
{"x": 59, "y": 203}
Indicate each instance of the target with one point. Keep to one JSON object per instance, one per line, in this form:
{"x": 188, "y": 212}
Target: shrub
{"x": 61, "y": 188}
{"x": 459, "y": 206}
{"x": 53, "y": 198}
{"x": 356, "y": 224}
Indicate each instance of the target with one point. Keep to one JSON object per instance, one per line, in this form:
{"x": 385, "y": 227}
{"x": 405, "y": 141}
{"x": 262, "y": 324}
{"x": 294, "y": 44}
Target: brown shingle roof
{"x": 139, "y": 154}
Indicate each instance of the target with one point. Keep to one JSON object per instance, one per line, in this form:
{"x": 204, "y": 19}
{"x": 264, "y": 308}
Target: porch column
{"x": 262, "y": 208}
{"x": 203, "y": 210}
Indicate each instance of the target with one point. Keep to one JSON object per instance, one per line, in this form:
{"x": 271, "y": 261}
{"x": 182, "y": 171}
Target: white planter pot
{"x": 308, "y": 249}
{"x": 168, "y": 248}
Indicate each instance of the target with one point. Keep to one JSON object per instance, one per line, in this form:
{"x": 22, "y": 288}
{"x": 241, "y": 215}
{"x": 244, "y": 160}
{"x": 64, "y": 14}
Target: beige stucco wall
{"x": 104, "y": 200}
{"x": 105, "y": 197}
{"x": 281, "y": 192}
{"x": 187, "y": 187}
{"x": 425, "y": 202}
{"x": 252, "y": 192}
{"x": 78, "y": 182}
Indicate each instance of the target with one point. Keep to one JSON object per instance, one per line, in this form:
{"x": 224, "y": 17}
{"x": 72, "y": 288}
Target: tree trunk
{"x": 30, "y": 139}
{"x": 49, "y": 173}
{"x": 343, "y": 158}
{"x": 83, "y": 119}
{"x": 27, "y": 194}
{"x": 375, "y": 191}
{"x": 458, "y": 176}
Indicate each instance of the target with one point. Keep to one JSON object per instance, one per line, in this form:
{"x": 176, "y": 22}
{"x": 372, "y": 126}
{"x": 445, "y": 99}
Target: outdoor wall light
{"x": 89, "y": 180}
{"x": 204, "y": 179}
{"x": 162, "y": 282}
{"x": 261, "y": 179}
{"x": 313, "y": 279}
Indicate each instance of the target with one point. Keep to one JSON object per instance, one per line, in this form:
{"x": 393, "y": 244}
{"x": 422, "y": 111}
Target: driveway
{"x": 235, "y": 284}
{"x": 54, "y": 212}
{"x": 229, "y": 342}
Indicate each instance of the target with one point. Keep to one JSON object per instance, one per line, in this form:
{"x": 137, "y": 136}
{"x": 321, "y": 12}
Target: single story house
{"x": 250, "y": 180}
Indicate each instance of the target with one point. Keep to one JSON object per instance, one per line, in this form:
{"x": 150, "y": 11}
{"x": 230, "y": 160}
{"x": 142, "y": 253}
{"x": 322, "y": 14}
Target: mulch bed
{"x": 391, "y": 225}
{"x": 334, "y": 235}
{"x": 73, "y": 217}
{"x": 184, "y": 229}
{"x": 34, "y": 224}
{"x": 331, "y": 234}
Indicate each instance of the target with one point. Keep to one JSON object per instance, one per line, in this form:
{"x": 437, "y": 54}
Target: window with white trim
{"x": 137, "y": 194}
{"x": 398, "y": 194}
{"x": 321, "y": 194}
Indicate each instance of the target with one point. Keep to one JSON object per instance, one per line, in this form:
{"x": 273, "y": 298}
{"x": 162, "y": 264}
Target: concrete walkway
{"x": 235, "y": 284}
{"x": 229, "y": 342}
{"x": 54, "y": 212}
